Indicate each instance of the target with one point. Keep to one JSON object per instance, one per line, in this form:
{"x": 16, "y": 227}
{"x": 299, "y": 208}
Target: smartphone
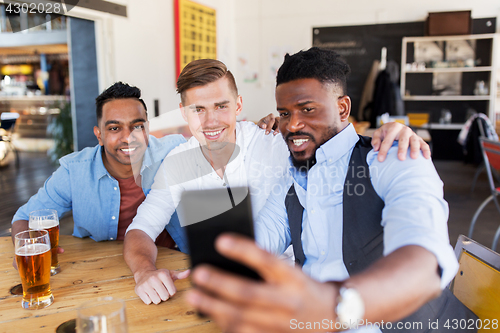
{"x": 205, "y": 214}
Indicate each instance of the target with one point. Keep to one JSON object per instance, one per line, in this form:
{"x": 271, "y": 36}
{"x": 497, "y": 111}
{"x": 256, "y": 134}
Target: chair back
{"x": 8, "y": 120}
{"x": 7, "y": 124}
{"x": 477, "y": 283}
{"x": 491, "y": 155}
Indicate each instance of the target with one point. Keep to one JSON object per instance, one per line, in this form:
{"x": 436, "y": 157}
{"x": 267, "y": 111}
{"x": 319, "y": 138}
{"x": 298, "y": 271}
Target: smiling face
{"x": 210, "y": 112}
{"x": 123, "y": 134}
{"x": 311, "y": 113}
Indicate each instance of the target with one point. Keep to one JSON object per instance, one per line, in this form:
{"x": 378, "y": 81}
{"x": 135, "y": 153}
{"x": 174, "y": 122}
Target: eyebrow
{"x": 116, "y": 122}
{"x": 109, "y": 122}
{"x": 298, "y": 104}
{"x": 304, "y": 103}
{"x": 193, "y": 106}
{"x": 221, "y": 103}
{"x": 138, "y": 120}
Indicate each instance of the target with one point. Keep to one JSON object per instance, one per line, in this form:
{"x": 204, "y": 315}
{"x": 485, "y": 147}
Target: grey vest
{"x": 363, "y": 241}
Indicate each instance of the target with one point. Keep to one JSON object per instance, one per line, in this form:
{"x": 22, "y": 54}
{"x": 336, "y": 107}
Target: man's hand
{"x": 384, "y": 136}
{"x": 157, "y": 285}
{"x": 284, "y": 299}
{"x": 151, "y": 284}
{"x": 269, "y": 123}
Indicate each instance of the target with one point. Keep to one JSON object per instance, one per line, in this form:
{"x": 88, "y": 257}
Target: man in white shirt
{"x": 221, "y": 153}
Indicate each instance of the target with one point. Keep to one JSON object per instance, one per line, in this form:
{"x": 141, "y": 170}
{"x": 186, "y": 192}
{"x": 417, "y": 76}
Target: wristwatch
{"x": 350, "y": 308}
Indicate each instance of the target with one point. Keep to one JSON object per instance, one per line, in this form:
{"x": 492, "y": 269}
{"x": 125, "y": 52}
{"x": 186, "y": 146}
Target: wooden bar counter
{"x": 90, "y": 270}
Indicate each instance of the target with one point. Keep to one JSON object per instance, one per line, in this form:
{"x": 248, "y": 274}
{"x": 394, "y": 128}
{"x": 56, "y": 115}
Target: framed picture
{"x": 195, "y": 33}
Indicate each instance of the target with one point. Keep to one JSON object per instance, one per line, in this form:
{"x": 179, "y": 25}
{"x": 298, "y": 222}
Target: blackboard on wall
{"x": 361, "y": 45}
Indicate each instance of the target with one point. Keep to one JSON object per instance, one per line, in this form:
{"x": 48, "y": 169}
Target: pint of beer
{"x": 33, "y": 263}
{"x": 47, "y": 219}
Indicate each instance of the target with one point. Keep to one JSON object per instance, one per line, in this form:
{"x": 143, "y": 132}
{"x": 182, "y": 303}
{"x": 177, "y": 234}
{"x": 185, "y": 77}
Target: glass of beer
{"x": 33, "y": 262}
{"x": 104, "y": 314}
{"x": 47, "y": 219}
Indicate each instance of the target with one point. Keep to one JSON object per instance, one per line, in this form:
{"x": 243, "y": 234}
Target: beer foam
{"x": 32, "y": 249}
{"x": 42, "y": 224}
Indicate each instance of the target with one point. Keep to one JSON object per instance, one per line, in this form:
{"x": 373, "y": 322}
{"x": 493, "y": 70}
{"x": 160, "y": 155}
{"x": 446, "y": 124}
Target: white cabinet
{"x": 454, "y": 72}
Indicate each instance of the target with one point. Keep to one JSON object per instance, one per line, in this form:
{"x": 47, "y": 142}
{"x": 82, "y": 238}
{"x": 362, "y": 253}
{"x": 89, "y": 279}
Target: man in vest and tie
{"x": 373, "y": 234}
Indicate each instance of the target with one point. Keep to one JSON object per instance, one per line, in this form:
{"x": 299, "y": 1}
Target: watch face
{"x": 351, "y": 308}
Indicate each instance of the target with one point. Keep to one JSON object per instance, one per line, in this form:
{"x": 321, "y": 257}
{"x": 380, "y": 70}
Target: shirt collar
{"x": 100, "y": 169}
{"x": 339, "y": 145}
{"x": 148, "y": 159}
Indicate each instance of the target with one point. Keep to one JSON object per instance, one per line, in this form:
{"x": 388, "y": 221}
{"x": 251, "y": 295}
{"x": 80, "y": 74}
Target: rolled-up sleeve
{"x": 55, "y": 194}
{"x": 415, "y": 211}
{"x": 272, "y": 231}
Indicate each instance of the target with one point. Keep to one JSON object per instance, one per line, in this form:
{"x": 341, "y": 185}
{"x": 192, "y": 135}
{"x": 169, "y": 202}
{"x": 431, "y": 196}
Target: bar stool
{"x": 491, "y": 155}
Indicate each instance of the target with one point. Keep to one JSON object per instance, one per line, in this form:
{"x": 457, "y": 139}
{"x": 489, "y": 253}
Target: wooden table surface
{"x": 89, "y": 270}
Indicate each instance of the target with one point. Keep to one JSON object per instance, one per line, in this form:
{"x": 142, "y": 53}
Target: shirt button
{"x": 111, "y": 238}
{"x": 330, "y": 160}
{"x": 322, "y": 253}
{"x": 312, "y": 211}
{"x": 113, "y": 217}
{"x": 115, "y": 188}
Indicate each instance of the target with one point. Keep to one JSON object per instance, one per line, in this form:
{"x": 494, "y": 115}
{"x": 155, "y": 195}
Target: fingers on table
{"x": 158, "y": 287}
{"x": 177, "y": 275}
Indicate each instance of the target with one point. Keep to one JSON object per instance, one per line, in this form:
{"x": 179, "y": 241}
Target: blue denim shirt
{"x": 84, "y": 185}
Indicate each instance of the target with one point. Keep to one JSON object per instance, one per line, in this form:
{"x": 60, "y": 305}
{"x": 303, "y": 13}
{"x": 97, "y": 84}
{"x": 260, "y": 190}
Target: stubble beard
{"x": 305, "y": 165}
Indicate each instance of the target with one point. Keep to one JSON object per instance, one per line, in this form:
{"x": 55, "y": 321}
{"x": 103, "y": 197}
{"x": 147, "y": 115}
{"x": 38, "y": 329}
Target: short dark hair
{"x": 202, "y": 72}
{"x": 119, "y": 90}
{"x": 323, "y": 65}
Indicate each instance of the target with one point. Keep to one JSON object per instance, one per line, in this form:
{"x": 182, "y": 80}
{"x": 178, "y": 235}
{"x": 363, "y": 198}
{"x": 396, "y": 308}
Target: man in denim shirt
{"x": 105, "y": 184}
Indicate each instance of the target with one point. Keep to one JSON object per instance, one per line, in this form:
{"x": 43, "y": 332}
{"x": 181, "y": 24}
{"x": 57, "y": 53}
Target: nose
{"x": 128, "y": 135}
{"x": 295, "y": 123}
{"x": 210, "y": 119}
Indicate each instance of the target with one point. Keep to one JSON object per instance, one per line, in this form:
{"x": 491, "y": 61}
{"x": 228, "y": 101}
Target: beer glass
{"x": 33, "y": 262}
{"x": 46, "y": 219}
{"x": 102, "y": 315}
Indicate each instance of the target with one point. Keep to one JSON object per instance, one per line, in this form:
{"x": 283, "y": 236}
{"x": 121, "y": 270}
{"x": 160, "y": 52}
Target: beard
{"x": 306, "y": 164}
{"x": 303, "y": 164}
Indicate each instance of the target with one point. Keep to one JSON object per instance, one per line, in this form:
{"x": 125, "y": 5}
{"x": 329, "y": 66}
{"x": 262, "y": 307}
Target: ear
{"x": 344, "y": 105}
{"x": 239, "y": 104}
{"x": 183, "y": 112}
{"x": 97, "y": 133}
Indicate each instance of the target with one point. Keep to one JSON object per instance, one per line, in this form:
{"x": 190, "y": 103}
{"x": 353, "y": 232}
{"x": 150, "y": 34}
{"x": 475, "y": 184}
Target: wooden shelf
{"x": 488, "y": 74}
{"x": 446, "y": 38}
{"x": 448, "y": 98}
{"x": 452, "y": 70}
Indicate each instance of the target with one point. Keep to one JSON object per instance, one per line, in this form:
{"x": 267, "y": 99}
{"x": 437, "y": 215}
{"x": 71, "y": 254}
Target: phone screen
{"x": 206, "y": 214}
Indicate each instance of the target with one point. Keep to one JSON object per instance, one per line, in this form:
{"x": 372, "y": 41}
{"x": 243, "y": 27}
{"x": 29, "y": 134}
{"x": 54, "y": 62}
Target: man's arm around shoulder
{"x": 152, "y": 285}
